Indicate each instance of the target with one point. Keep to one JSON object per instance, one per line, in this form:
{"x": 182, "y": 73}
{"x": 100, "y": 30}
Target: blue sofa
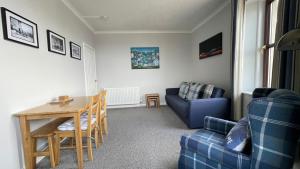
{"x": 274, "y": 122}
{"x": 193, "y": 112}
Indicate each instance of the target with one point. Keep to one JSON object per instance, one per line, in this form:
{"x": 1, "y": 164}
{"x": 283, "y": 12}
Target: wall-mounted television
{"x": 211, "y": 46}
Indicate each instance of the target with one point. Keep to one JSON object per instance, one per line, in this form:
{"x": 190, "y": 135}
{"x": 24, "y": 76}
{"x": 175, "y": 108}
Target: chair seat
{"x": 69, "y": 125}
{"x": 211, "y": 145}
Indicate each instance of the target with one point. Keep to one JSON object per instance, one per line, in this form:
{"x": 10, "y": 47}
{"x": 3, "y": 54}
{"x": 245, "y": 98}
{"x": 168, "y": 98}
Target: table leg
{"x": 27, "y": 144}
{"x": 78, "y": 138}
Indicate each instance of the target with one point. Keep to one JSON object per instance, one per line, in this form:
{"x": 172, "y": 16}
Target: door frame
{"x": 85, "y": 46}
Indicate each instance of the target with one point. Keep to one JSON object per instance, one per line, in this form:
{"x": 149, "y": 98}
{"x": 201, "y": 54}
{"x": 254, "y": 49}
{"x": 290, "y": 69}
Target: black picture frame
{"x": 72, "y": 53}
{"x": 60, "y": 40}
{"x": 211, "y": 47}
{"x": 19, "y": 29}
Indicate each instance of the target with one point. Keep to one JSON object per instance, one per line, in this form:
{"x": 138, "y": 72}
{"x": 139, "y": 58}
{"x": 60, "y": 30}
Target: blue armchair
{"x": 274, "y": 123}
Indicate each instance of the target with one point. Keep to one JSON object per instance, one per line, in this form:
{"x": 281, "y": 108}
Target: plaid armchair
{"x": 274, "y": 123}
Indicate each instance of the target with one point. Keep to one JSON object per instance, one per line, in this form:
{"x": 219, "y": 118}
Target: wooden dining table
{"x": 72, "y": 109}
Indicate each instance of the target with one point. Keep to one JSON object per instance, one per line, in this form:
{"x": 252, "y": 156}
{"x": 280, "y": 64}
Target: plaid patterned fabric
{"x": 218, "y": 125}
{"x": 207, "y": 146}
{"x": 206, "y": 91}
{"x": 184, "y": 89}
{"x": 191, "y": 160}
{"x": 194, "y": 91}
{"x": 275, "y": 129}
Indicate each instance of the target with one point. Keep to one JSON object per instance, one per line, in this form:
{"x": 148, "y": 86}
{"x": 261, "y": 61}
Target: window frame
{"x": 267, "y": 45}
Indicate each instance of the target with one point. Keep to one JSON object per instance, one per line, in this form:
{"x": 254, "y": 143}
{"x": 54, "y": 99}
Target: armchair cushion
{"x": 209, "y": 144}
{"x": 238, "y": 136}
{"x": 184, "y": 89}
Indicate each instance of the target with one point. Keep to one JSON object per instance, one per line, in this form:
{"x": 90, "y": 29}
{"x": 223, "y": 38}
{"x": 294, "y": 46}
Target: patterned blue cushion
{"x": 184, "y": 89}
{"x": 238, "y": 136}
{"x": 194, "y": 91}
{"x": 206, "y": 91}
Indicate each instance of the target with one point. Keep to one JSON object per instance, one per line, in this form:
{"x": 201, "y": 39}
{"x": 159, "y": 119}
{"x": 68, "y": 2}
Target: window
{"x": 269, "y": 40}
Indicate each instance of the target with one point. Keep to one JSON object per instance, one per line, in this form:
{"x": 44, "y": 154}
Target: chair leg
{"x": 96, "y": 136}
{"x": 89, "y": 147}
{"x": 101, "y": 133}
{"x": 105, "y": 125}
{"x": 51, "y": 152}
{"x": 57, "y": 151}
{"x": 33, "y": 141}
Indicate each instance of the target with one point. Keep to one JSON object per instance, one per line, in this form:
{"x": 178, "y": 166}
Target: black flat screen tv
{"x": 211, "y": 46}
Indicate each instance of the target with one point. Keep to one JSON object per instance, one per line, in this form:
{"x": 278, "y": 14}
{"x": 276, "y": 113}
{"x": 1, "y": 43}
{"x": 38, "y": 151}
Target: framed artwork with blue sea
{"x": 144, "y": 57}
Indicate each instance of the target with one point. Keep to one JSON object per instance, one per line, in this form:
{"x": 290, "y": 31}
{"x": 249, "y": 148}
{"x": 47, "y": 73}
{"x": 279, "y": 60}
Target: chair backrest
{"x": 275, "y": 124}
{"x": 93, "y": 111}
{"x": 103, "y": 100}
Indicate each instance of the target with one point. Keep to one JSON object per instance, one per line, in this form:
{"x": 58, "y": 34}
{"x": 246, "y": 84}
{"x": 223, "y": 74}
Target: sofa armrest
{"x": 214, "y": 107}
{"x": 218, "y": 125}
{"x": 172, "y": 91}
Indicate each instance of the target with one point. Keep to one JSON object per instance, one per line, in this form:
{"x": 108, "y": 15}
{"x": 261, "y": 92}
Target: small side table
{"x": 153, "y": 97}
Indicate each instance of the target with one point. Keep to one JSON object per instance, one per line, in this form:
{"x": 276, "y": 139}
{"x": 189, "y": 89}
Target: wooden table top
{"x": 78, "y": 104}
{"x": 152, "y": 95}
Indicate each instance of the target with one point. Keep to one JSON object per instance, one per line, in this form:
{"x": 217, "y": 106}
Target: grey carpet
{"x": 138, "y": 138}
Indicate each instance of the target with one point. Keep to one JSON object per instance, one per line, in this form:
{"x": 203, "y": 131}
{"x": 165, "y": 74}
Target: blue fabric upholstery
{"x": 217, "y": 92}
{"x": 180, "y": 105}
{"x": 209, "y": 144}
{"x": 218, "y": 125}
{"x": 262, "y": 92}
{"x": 281, "y": 113}
{"x": 193, "y": 112}
{"x": 274, "y": 122}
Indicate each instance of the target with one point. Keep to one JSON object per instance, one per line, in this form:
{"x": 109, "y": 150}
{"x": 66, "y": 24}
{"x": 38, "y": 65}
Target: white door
{"x": 89, "y": 58}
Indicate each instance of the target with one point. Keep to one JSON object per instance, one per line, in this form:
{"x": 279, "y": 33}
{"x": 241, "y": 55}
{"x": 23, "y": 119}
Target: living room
{"x": 207, "y": 62}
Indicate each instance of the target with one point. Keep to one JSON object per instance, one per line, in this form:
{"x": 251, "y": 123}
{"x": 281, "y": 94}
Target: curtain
{"x": 238, "y": 10}
{"x": 284, "y": 63}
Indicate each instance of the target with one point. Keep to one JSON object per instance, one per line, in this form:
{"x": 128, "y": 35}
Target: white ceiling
{"x": 144, "y": 15}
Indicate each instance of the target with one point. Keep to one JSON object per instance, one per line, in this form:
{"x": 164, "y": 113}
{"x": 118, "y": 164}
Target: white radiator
{"x": 123, "y": 96}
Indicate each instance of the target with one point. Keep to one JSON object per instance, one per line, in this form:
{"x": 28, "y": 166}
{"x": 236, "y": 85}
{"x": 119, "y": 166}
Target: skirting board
{"x": 132, "y": 105}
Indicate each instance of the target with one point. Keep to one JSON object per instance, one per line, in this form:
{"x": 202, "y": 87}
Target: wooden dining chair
{"x": 103, "y": 111}
{"x": 89, "y": 123}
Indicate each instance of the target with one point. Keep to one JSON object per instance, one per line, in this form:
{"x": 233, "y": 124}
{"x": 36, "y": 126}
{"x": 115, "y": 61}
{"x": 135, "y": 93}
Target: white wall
{"x": 31, "y": 76}
{"x": 114, "y": 61}
{"x": 216, "y": 69}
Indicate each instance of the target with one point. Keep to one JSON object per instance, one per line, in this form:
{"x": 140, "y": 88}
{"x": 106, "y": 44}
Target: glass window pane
{"x": 273, "y": 20}
{"x": 270, "y": 66}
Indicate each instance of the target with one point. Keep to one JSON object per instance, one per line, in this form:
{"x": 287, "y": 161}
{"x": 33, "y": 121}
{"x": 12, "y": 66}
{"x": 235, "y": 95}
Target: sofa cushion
{"x": 238, "y": 136}
{"x": 206, "y": 91}
{"x": 180, "y": 105}
{"x": 194, "y": 91}
{"x": 217, "y": 93}
{"x": 184, "y": 89}
{"x": 211, "y": 146}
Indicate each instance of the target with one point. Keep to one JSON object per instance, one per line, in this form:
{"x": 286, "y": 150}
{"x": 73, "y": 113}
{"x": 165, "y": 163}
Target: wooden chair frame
{"x": 93, "y": 110}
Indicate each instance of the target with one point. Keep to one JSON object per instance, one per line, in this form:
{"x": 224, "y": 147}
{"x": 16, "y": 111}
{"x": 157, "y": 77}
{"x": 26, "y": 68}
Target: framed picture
{"x": 211, "y": 47}
{"x": 19, "y": 29}
{"x": 75, "y": 51}
{"x": 56, "y": 43}
{"x": 145, "y": 58}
